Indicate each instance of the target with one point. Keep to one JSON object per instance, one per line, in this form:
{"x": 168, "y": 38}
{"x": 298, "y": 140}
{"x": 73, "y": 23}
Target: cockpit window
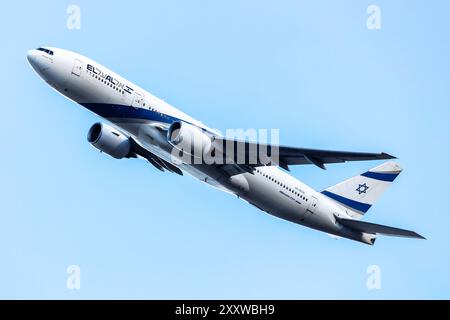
{"x": 50, "y": 52}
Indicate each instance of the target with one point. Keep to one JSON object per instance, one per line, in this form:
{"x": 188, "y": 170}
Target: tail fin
{"x": 359, "y": 193}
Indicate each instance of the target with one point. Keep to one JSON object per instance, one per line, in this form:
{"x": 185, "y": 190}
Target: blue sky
{"x": 310, "y": 68}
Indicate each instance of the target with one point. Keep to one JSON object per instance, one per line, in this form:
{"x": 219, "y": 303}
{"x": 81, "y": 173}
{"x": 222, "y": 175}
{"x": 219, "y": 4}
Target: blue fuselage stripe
{"x": 107, "y": 110}
{"x": 363, "y": 207}
{"x": 381, "y": 176}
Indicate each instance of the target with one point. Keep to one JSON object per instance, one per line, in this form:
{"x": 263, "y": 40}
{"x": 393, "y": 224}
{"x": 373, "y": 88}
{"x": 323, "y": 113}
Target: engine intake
{"x": 109, "y": 140}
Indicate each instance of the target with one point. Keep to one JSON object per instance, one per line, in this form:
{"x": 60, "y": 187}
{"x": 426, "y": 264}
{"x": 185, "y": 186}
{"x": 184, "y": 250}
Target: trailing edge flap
{"x": 374, "y": 228}
{"x": 153, "y": 159}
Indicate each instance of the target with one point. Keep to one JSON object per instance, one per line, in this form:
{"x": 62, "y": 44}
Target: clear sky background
{"x": 310, "y": 68}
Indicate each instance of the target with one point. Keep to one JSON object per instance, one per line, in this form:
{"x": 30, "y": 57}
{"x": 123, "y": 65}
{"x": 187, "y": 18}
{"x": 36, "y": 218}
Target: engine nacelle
{"x": 189, "y": 139}
{"x": 109, "y": 140}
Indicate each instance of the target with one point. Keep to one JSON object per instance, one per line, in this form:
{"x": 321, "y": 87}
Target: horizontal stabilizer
{"x": 374, "y": 228}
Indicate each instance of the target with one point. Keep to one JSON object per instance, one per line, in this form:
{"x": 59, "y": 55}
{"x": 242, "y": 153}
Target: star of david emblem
{"x": 362, "y": 188}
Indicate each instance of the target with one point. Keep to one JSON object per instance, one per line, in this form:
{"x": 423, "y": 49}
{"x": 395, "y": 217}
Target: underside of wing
{"x": 156, "y": 161}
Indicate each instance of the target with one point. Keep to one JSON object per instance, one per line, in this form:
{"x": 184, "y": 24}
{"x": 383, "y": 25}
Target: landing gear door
{"x": 77, "y": 67}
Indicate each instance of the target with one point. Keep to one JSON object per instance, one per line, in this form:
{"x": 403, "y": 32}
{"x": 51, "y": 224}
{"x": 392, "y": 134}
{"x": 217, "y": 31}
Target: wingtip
{"x": 417, "y": 236}
{"x": 387, "y": 156}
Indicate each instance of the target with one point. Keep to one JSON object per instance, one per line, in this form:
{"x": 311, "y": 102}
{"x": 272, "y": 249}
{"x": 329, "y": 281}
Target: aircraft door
{"x": 138, "y": 100}
{"x": 313, "y": 204}
{"x": 77, "y": 67}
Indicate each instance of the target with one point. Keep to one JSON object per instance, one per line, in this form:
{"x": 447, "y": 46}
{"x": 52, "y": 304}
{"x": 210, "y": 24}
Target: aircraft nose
{"x": 32, "y": 57}
{"x": 37, "y": 61}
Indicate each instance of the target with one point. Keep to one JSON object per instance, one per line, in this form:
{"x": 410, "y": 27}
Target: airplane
{"x": 140, "y": 125}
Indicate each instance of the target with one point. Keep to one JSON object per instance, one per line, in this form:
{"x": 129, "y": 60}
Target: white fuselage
{"x": 134, "y": 111}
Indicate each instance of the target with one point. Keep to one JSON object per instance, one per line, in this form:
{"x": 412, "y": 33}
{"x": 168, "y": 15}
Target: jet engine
{"x": 109, "y": 140}
{"x": 189, "y": 139}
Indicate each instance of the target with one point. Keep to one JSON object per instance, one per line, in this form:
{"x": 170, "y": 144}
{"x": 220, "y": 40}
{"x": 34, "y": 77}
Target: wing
{"x": 256, "y": 154}
{"x": 156, "y": 161}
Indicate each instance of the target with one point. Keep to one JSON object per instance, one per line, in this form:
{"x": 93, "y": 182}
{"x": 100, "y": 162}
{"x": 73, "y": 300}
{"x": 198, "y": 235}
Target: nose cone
{"x": 32, "y": 57}
{"x": 37, "y": 61}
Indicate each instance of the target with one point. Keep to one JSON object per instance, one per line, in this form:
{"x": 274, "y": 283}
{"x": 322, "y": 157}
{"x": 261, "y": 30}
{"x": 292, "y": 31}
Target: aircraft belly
{"x": 271, "y": 198}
